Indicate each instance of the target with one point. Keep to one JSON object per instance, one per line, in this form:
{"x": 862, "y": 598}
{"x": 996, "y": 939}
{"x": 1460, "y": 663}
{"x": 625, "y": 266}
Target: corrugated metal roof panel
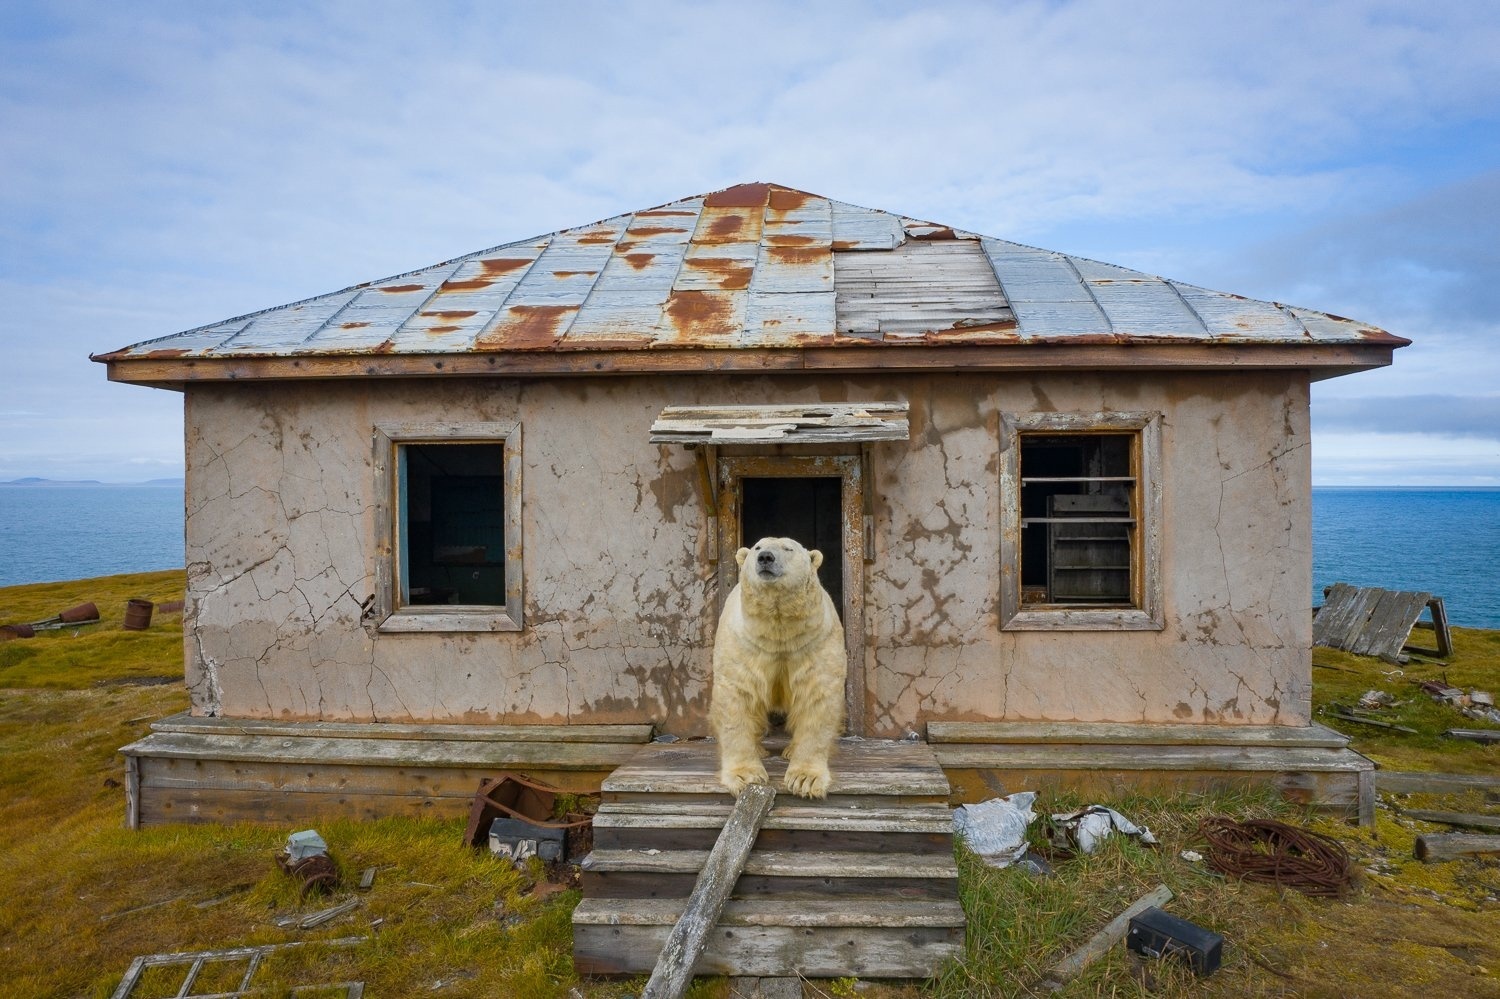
{"x": 752, "y": 266}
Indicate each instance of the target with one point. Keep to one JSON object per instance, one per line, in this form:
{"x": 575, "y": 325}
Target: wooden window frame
{"x": 1145, "y": 614}
{"x": 390, "y": 616}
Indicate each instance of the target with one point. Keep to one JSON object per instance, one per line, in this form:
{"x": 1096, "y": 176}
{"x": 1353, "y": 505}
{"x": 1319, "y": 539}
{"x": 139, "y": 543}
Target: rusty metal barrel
{"x": 137, "y": 615}
{"x": 79, "y": 614}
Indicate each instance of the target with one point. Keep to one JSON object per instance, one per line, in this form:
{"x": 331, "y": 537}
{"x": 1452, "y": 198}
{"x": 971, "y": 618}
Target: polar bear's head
{"x": 778, "y": 561}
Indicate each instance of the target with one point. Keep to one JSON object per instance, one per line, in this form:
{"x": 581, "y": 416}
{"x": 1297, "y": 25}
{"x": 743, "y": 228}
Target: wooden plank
{"x": 1114, "y": 733}
{"x": 1112, "y": 933}
{"x": 1466, "y": 819}
{"x": 865, "y": 913}
{"x": 382, "y": 752}
{"x": 440, "y": 782}
{"x": 834, "y": 864}
{"x": 1333, "y": 616}
{"x": 1474, "y": 734}
{"x": 653, "y": 833}
{"x": 1411, "y": 782}
{"x": 1205, "y": 758}
{"x": 768, "y": 951}
{"x": 222, "y": 806}
{"x": 185, "y": 722}
{"x": 859, "y": 767}
{"x": 1454, "y": 846}
{"x": 1334, "y": 792}
{"x": 674, "y": 966}
{"x": 1042, "y": 355}
{"x": 638, "y": 884}
{"x": 1385, "y": 607}
{"x": 823, "y": 816}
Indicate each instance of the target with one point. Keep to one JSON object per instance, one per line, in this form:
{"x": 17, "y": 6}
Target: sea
{"x": 1442, "y": 541}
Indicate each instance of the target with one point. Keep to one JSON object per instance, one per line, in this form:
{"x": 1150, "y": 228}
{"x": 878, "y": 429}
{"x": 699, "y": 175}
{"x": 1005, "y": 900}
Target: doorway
{"x": 819, "y": 501}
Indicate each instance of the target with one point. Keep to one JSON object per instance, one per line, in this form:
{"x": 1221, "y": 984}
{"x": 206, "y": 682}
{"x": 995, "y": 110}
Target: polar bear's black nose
{"x": 765, "y": 558}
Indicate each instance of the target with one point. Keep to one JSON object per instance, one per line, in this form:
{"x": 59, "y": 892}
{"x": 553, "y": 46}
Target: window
{"x": 1080, "y": 540}
{"x": 449, "y": 527}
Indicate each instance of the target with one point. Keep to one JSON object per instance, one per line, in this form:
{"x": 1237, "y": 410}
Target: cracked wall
{"x": 619, "y": 591}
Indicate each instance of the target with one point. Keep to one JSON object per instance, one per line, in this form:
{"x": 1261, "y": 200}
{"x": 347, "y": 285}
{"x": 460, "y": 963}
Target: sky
{"x": 167, "y": 165}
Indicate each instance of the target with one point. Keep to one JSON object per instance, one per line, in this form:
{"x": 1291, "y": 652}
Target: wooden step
{"x": 920, "y": 829}
{"x": 818, "y": 937}
{"x": 871, "y": 772}
{"x": 662, "y": 874}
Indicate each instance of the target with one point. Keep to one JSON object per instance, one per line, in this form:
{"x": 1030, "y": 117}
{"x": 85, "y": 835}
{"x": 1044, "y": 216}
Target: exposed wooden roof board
{"x": 753, "y": 267}
{"x": 815, "y": 423}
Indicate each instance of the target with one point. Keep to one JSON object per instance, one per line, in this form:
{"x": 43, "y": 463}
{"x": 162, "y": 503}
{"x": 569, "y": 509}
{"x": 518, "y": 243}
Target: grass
{"x": 83, "y": 895}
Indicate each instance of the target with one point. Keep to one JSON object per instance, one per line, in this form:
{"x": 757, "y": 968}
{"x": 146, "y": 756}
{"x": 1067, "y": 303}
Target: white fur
{"x": 779, "y": 647}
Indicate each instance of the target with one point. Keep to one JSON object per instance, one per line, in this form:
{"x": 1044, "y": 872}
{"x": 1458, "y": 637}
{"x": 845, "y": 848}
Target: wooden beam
{"x": 1407, "y": 782}
{"x": 1465, "y": 819}
{"x": 674, "y": 968}
{"x": 1113, "y": 933}
{"x": 1452, "y": 846}
{"x": 1320, "y": 359}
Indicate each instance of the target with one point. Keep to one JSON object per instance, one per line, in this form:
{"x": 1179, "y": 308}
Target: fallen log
{"x": 1452, "y": 846}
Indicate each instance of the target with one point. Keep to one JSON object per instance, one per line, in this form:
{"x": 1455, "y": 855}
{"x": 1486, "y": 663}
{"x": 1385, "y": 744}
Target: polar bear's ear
{"x": 817, "y": 558}
{"x": 740, "y": 556}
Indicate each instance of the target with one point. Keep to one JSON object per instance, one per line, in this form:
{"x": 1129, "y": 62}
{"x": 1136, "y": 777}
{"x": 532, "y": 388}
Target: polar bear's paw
{"x": 808, "y": 780}
{"x": 737, "y": 777}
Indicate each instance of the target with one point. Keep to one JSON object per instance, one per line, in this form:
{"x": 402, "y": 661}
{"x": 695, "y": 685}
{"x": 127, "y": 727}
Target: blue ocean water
{"x": 62, "y": 531}
{"x": 1444, "y": 541}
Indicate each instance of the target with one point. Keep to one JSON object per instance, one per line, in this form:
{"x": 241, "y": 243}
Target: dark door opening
{"x": 807, "y": 510}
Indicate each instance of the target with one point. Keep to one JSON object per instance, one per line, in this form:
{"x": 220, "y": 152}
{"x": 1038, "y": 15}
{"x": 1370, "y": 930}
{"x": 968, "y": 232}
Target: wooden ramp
{"x": 862, "y": 883}
{"x": 1373, "y": 622}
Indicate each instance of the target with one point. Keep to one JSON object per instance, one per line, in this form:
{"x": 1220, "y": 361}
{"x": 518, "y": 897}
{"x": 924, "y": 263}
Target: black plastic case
{"x": 1155, "y": 933}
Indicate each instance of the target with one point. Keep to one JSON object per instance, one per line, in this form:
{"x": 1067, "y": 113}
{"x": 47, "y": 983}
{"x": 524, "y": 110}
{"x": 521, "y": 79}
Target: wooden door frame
{"x": 849, "y": 469}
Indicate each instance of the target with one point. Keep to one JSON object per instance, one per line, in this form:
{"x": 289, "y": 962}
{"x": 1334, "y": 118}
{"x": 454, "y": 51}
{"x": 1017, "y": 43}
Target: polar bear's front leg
{"x": 738, "y": 731}
{"x": 814, "y": 719}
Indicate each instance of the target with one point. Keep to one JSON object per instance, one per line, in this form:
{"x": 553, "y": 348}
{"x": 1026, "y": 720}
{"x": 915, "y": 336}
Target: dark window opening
{"x": 452, "y": 528}
{"x": 807, "y": 510}
{"x": 1078, "y": 519}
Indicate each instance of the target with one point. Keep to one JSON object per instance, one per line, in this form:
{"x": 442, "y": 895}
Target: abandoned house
{"x": 480, "y": 516}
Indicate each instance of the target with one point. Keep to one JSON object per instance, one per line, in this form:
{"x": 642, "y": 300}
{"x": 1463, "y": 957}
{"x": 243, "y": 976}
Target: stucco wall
{"x": 619, "y": 590}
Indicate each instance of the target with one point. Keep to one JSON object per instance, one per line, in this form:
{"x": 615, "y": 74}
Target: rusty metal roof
{"x": 753, "y": 266}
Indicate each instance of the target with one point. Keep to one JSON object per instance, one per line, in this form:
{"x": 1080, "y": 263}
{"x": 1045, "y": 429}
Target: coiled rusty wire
{"x": 1271, "y": 852}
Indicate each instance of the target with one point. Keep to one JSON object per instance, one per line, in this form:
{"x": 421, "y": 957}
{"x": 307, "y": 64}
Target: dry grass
{"x": 84, "y": 895}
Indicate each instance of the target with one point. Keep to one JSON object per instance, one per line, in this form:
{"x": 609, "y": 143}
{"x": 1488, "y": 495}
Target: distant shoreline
{"x": 32, "y": 482}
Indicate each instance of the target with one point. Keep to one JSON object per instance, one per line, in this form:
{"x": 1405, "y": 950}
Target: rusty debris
{"x": 83, "y": 614}
{"x": 306, "y": 858}
{"x": 525, "y": 810}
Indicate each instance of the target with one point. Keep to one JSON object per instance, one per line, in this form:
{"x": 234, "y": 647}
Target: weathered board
{"x": 861, "y": 883}
{"x": 1373, "y": 622}
{"x": 214, "y": 770}
{"x": 1115, "y": 733}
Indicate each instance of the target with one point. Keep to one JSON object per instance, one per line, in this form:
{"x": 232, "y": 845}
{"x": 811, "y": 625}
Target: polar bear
{"x": 779, "y": 647}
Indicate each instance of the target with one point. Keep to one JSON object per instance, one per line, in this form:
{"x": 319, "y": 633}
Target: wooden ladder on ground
{"x": 862, "y": 883}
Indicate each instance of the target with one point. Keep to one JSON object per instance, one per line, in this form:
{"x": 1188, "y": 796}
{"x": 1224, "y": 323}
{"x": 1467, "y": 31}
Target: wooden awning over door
{"x": 813, "y": 423}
